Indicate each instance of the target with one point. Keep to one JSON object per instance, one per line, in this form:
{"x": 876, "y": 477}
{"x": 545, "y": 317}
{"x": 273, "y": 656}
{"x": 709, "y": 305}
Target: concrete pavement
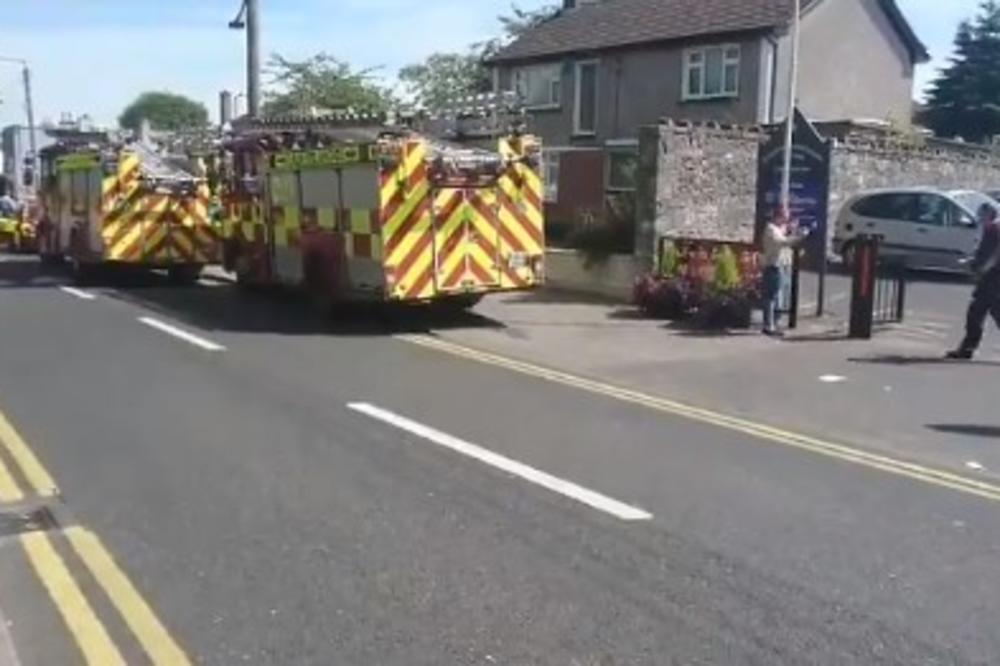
{"x": 267, "y": 522}
{"x": 884, "y": 395}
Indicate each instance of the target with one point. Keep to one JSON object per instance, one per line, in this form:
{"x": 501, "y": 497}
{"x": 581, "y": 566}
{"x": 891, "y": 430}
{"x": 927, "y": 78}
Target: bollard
{"x": 863, "y": 288}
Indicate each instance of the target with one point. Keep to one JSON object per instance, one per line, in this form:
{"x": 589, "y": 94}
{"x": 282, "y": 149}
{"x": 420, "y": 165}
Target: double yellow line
{"x": 88, "y": 631}
{"x": 844, "y": 453}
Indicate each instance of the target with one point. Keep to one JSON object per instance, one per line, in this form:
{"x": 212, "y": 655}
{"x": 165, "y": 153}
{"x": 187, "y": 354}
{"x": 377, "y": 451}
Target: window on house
{"x": 712, "y": 72}
{"x": 623, "y": 166}
{"x": 586, "y": 98}
{"x": 550, "y": 175}
{"x": 539, "y": 85}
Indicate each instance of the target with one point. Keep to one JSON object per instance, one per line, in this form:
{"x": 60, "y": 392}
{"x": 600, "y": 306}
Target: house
{"x": 599, "y": 69}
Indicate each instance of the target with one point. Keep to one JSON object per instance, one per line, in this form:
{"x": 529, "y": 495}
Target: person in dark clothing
{"x": 986, "y": 297}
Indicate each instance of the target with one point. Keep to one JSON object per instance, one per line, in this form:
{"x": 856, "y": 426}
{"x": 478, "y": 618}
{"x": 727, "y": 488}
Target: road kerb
{"x": 842, "y": 452}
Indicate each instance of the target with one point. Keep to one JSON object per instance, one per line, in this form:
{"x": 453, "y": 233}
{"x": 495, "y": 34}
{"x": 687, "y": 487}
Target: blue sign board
{"x": 810, "y": 182}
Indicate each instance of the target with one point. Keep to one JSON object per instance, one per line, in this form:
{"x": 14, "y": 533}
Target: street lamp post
{"x": 248, "y": 19}
{"x": 30, "y": 110}
{"x": 793, "y": 84}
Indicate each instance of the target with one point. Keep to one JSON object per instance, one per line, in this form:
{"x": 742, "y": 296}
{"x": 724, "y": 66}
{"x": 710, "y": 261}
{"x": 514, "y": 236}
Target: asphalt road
{"x": 282, "y": 490}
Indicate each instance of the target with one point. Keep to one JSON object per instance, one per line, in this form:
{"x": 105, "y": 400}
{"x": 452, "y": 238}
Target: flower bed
{"x": 712, "y": 284}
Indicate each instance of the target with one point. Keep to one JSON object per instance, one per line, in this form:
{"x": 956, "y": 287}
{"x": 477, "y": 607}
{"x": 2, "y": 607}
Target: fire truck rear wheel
{"x": 184, "y": 275}
{"x": 461, "y": 303}
{"x": 317, "y": 285}
{"x": 84, "y": 273}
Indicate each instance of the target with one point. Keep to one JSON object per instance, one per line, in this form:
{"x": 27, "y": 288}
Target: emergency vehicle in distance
{"x": 354, "y": 209}
{"x": 113, "y": 201}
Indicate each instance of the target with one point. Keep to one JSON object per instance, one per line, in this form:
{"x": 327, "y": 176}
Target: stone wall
{"x": 612, "y": 276}
{"x": 700, "y": 180}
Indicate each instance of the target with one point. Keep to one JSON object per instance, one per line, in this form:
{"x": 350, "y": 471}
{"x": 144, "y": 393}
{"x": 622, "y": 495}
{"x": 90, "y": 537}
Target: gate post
{"x": 863, "y": 287}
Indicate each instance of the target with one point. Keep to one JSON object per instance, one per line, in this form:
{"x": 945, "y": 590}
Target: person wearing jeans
{"x": 777, "y": 260}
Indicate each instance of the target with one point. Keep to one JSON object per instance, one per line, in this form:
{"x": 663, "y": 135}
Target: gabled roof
{"x": 615, "y": 23}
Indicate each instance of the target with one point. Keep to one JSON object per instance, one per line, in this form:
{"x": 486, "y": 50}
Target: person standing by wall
{"x": 776, "y": 254}
{"x": 986, "y": 296}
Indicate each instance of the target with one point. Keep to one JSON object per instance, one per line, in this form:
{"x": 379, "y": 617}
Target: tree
{"x": 164, "y": 111}
{"x": 514, "y": 25}
{"x": 324, "y": 83}
{"x": 445, "y": 76}
{"x": 965, "y": 99}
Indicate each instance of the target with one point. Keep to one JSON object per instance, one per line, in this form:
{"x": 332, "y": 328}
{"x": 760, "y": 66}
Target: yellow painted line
{"x": 88, "y": 632}
{"x": 32, "y": 469}
{"x": 9, "y": 490}
{"x": 152, "y": 635}
{"x": 844, "y": 453}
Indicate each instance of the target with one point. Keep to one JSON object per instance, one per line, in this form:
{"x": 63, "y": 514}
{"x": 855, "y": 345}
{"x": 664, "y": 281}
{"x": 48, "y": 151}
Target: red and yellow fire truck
{"x": 356, "y": 211}
{"x": 109, "y": 202}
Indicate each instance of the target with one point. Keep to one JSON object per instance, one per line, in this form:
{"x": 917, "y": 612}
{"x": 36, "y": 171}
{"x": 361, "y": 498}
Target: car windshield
{"x": 972, "y": 200}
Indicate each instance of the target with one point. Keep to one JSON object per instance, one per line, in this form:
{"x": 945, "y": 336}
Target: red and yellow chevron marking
{"x": 122, "y": 185}
{"x": 406, "y": 224}
{"x": 521, "y": 212}
{"x": 161, "y": 229}
{"x": 466, "y": 228}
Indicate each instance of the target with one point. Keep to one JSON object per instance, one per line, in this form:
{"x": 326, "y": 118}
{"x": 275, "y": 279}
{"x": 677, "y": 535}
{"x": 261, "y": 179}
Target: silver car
{"x": 923, "y": 226}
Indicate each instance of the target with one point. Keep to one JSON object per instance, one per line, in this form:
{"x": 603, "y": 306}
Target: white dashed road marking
{"x": 566, "y": 488}
{"x": 78, "y": 293}
{"x": 180, "y": 334}
{"x": 832, "y": 379}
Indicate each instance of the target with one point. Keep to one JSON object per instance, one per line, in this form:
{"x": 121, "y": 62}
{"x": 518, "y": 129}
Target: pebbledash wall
{"x": 701, "y": 180}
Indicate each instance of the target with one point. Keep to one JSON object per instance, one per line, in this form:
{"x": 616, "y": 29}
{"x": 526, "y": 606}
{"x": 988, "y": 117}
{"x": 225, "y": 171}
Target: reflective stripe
{"x": 361, "y": 221}
{"x": 327, "y": 218}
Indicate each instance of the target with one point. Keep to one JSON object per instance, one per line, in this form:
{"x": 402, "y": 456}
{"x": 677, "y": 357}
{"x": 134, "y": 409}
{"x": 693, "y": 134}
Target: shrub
{"x": 670, "y": 260}
{"x": 727, "y": 271}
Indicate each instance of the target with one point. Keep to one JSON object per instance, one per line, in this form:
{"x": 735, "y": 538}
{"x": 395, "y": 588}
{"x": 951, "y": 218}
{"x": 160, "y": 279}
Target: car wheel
{"x": 848, "y": 256}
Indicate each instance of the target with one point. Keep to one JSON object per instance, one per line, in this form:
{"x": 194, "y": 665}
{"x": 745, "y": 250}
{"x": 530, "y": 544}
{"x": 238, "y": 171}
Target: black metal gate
{"x": 878, "y": 294}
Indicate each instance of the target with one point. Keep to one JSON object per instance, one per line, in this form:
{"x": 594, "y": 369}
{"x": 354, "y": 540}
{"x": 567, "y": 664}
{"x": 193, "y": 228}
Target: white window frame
{"x": 628, "y": 147}
{"x": 687, "y": 67}
{"x": 577, "y": 90}
{"x": 551, "y": 166}
{"x": 553, "y": 83}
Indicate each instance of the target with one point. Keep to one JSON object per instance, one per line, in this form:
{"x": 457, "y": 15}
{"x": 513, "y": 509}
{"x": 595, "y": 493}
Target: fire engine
{"x": 110, "y": 201}
{"x": 355, "y": 209}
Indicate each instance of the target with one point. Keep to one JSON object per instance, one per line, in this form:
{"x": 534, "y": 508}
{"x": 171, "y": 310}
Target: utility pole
{"x": 29, "y": 108}
{"x": 249, "y": 19}
{"x": 253, "y": 58}
{"x": 793, "y": 84}
{"x": 32, "y": 139}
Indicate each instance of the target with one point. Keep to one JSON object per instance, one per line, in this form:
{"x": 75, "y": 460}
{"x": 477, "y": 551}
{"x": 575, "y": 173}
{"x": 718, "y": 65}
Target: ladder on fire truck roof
{"x": 470, "y": 118}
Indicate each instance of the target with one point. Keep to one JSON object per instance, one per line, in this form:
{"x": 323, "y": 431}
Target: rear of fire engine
{"x": 111, "y": 203}
{"x": 368, "y": 213}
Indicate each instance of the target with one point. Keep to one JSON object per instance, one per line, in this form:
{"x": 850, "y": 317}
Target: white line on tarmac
{"x": 555, "y": 484}
{"x": 832, "y": 379}
{"x": 78, "y": 293}
{"x": 190, "y": 338}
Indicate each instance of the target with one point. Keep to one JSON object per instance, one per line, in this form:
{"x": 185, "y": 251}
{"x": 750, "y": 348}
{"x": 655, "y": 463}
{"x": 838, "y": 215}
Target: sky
{"x": 95, "y": 56}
